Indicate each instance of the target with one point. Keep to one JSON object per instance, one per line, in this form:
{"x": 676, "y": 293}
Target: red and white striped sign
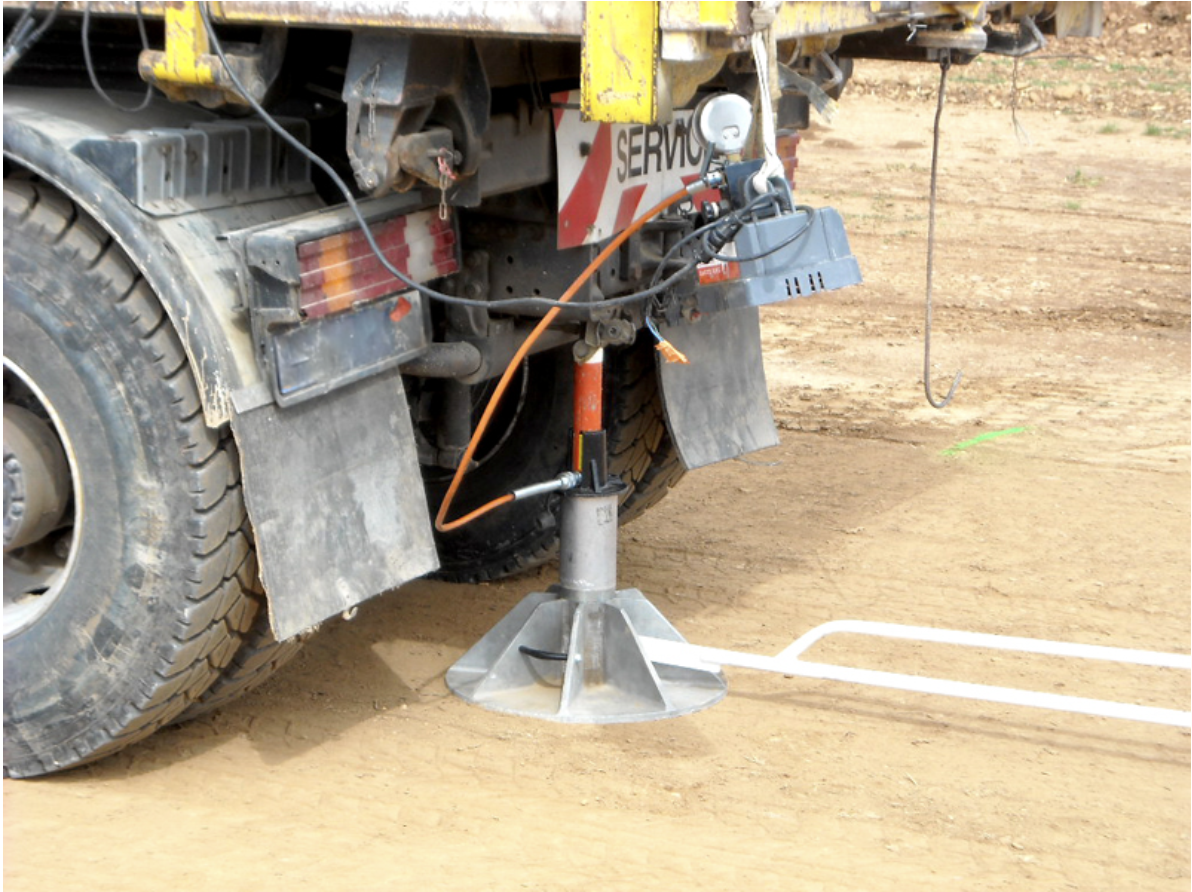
{"x": 610, "y": 173}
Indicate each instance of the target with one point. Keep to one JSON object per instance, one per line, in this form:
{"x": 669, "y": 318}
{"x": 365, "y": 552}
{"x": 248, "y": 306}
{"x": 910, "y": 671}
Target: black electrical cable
{"x": 789, "y": 240}
{"x": 91, "y": 67}
{"x": 707, "y": 228}
{"x": 749, "y": 208}
{"x": 539, "y": 654}
{"x": 678, "y": 246}
{"x": 20, "y": 41}
{"x": 945, "y": 64}
{"x": 504, "y": 304}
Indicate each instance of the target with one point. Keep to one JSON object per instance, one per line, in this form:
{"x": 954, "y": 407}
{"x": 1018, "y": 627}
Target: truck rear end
{"x": 296, "y": 296}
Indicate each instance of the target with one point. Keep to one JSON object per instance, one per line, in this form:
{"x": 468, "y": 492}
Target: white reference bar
{"x": 680, "y": 653}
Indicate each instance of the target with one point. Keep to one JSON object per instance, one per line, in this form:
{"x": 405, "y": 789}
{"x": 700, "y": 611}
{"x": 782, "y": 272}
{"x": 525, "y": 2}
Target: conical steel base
{"x": 575, "y": 660}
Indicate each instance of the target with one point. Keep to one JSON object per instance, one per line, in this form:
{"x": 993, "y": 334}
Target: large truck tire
{"x": 534, "y": 445}
{"x": 258, "y": 658}
{"x": 127, "y": 609}
{"x": 641, "y": 452}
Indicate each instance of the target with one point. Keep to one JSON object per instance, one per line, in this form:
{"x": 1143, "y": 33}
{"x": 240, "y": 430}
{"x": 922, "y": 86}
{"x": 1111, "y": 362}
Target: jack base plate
{"x": 584, "y": 663}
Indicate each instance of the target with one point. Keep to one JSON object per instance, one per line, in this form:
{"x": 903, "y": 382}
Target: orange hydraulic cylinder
{"x": 589, "y": 402}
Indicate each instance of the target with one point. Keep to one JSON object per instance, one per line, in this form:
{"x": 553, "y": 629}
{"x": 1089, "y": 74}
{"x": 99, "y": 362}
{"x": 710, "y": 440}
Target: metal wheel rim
{"x": 39, "y": 566}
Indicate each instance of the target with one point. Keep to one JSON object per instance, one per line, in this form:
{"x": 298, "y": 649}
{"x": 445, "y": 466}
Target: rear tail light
{"x": 341, "y": 271}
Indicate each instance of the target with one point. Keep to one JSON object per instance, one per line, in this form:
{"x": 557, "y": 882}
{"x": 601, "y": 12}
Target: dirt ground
{"x": 1062, "y": 290}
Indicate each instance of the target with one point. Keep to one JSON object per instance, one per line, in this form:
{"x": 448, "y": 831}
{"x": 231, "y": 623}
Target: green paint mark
{"x": 992, "y": 435}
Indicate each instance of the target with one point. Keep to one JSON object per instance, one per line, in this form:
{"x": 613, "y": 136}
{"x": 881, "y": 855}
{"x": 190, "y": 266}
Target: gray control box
{"x": 794, "y": 255}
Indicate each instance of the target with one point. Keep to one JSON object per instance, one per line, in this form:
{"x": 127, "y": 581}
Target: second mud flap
{"x": 717, "y": 406}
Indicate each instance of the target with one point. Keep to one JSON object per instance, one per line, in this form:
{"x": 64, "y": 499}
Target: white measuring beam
{"x": 981, "y": 639}
{"x": 680, "y": 653}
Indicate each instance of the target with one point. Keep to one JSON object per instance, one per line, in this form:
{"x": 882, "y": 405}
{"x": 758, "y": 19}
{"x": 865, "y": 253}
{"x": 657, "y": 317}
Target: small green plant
{"x": 1169, "y": 132}
{"x": 1071, "y": 205}
{"x": 1136, "y": 69}
{"x": 1110, "y": 128}
{"x": 1082, "y": 180}
{"x": 1167, "y": 87}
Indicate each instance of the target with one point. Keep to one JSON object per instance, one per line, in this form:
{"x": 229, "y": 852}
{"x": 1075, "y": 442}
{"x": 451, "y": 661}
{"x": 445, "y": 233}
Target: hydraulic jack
{"x": 585, "y": 651}
{"x": 574, "y": 653}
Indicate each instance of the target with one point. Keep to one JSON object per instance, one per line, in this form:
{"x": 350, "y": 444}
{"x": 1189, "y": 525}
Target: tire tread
{"x": 220, "y": 605}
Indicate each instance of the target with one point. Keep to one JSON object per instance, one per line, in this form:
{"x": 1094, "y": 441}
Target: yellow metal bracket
{"x": 723, "y": 15}
{"x": 186, "y": 59}
{"x": 186, "y": 70}
{"x": 619, "y": 81}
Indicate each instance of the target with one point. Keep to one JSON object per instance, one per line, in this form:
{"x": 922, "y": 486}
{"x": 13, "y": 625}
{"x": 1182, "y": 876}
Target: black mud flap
{"x": 335, "y": 495}
{"x": 717, "y": 406}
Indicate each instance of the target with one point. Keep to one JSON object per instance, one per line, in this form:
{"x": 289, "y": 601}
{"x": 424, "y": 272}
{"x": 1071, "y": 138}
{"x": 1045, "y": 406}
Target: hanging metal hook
{"x": 945, "y": 64}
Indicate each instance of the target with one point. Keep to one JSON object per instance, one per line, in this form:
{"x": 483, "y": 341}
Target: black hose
{"x": 537, "y": 654}
{"x": 91, "y": 66}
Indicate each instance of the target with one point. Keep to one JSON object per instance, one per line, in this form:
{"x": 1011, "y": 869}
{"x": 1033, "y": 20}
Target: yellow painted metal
{"x": 970, "y": 12}
{"x": 186, "y": 59}
{"x": 814, "y": 19}
{"x": 720, "y": 15}
{"x": 187, "y": 71}
{"x": 619, "y": 80}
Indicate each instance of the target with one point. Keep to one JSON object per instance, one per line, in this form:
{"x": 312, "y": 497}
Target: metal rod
{"x": 457, "y": 359}
{"x": 565, "y": 481}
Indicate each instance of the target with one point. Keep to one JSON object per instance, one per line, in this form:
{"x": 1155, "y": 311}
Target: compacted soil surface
{"x": 1062, "y": 291}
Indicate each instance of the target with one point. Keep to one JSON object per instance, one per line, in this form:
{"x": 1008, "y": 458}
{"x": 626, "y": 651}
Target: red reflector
{"x": 401, "y": 310}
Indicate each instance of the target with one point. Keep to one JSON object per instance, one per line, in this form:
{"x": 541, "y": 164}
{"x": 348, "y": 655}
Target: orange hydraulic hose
{"x": 441, "y": 523}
